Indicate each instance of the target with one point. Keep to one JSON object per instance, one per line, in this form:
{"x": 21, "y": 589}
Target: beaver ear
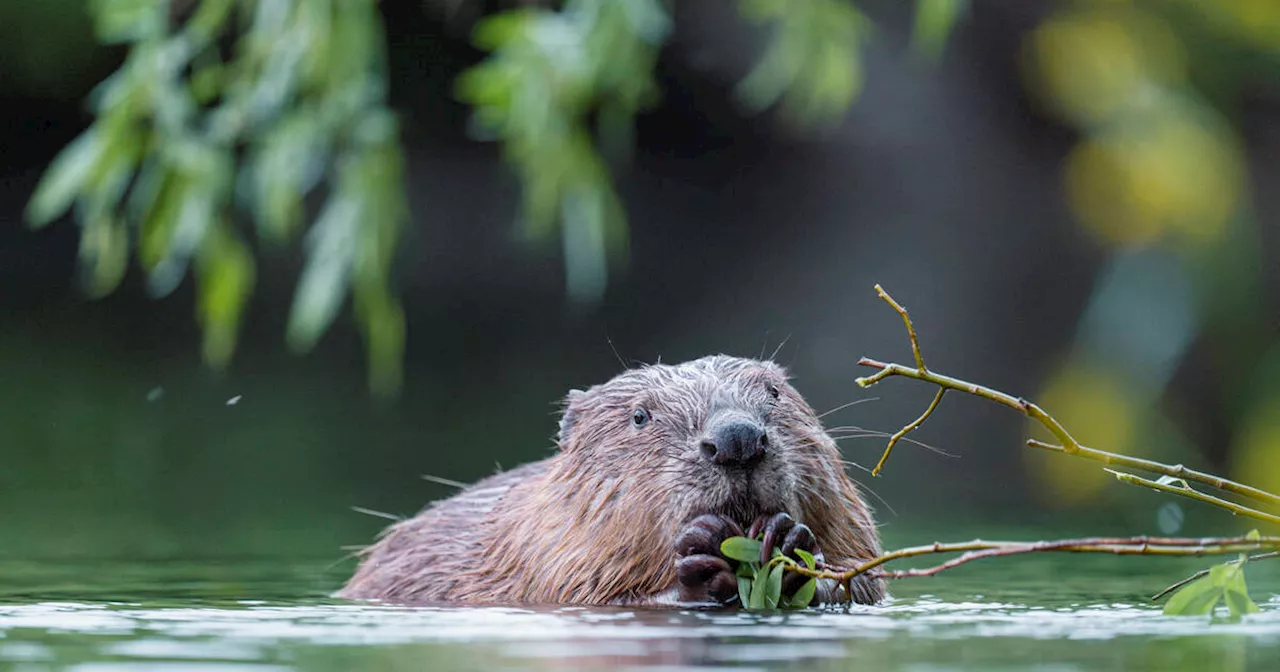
{"x": 569, "y": 416}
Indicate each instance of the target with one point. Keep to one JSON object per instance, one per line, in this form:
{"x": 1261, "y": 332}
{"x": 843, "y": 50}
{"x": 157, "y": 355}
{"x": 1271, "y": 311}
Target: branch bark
{"x": 979, "y": 549}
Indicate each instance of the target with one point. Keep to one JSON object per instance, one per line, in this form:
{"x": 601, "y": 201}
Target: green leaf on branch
{"x": 1174, "y": 482}
{"x": 741, "y": 549}
{"x": 1223, "y": 583}
{"x": 744, "y": 588}
{"x": 759, "y": 589}
{"x": 804, "y": 595}
{"x": 773, "y": 590}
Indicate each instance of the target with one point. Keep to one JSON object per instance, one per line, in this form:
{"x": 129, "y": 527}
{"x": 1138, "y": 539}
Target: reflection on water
{"x": 186, "y": 623}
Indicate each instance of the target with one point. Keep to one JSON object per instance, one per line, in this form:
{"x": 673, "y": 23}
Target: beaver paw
{"x": 702, "y": 572}
{"x": 793, "y": 535}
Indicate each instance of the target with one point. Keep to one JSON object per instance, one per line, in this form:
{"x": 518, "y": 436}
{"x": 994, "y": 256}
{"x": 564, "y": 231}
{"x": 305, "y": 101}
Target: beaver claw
{"x": 702, "y": 572}
{"x": 794, "y": 536}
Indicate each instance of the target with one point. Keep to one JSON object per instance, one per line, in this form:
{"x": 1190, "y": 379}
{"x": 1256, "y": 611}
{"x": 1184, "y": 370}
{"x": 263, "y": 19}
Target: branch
{"x": 1068, "y": 443}
{"x": 978, "y": 549}
{"x": 1187, "y": 491}
{"x": 898, "y": 435}
{"x": 1171, "y": 470}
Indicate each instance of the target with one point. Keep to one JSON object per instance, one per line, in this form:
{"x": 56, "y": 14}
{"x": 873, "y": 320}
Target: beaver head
{"x": 644, "y": 454}
{"x": 720, "y": 434}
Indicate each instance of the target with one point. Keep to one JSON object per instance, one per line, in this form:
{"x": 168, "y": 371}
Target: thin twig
{"x": 893, "y": 440}
{"x": 1205, "y": 572}
{"x": 1020, "y": 405}
{"x": 1192, "y": 493}
{"x": 978, "y": 549}
{"x": 911, "y": 329}
{"x": 1171, "y": 470}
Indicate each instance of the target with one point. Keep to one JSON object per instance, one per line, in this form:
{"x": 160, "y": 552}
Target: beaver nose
{"x": 735, "y": 444}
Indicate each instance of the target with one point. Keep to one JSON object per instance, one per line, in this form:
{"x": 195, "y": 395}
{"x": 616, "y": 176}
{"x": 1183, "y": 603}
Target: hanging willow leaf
{"x": 327, "y": 275}
{"x": 104, "y": 253}
{"x": 64, "y": 179}
{"x": 225, "y": 277}
{"x": 285, "y": 165}
{"x": 129, "y": 20}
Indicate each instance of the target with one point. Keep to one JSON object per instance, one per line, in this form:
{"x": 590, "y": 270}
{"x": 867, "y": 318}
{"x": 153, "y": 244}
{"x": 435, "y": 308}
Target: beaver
{"x": 653, "y": 470}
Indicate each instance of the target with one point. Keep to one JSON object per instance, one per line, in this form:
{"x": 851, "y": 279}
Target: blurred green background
{"x": 1077, "y": 200}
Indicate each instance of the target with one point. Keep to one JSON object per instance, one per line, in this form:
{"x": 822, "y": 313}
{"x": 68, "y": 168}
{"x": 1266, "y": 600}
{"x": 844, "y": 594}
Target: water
{"x": 266, "y": 614}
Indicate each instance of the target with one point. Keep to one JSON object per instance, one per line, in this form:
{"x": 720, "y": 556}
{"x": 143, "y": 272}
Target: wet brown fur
{"x": 596, "y": 522}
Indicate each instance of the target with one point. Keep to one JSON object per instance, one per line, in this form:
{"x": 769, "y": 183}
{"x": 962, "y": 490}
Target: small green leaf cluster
{"x": 760, "y": 586}
{"x": 195, "y": 122}
{"x": 813, "y": 65}
{"x": 1223, "y": 583}
{"x": 550, "y": 73}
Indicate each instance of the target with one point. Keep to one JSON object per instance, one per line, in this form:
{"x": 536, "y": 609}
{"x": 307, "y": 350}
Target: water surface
{"x": 266, "y": 614}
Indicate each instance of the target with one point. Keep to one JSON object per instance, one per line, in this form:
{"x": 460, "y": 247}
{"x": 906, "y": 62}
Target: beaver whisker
{"x": 851, "y": 463}
{"x": 882, "y": 500}
{"x": 608, "y": 339}
{"x": 871, "y": 434}
{"x": 774, "y": 355}
{"x": 444, "y": 481}
{"x": 841, "y": 407}
{"x": 377, "y": 514}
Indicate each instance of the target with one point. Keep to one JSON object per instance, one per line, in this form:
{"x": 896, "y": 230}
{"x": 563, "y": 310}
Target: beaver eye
{"x": 773, "y": 391}
{"x": 640, "y": 417}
